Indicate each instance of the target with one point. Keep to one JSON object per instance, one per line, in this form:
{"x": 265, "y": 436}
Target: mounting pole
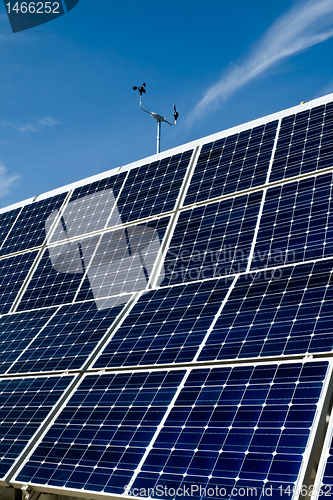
{"x": 156, "y": 116}
{"x": 158, "y": 135}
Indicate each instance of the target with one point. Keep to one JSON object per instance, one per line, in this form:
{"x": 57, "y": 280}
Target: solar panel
{"x": 305, "y": 143}
{"x": 235, "y": 163}
{"x": 153, "y": 188}
{"x": 175, "y": 318}
{"x": 286, "y": 311}
{"x": 24, "y": 404}
{"x": 113, "y": 182}
{"x": 91, "y": 208}
{"x": 29, "y": 228}
{"x": 16, "y": 333}
{"x": 296, "y": 223}
{"x": 212, "y": 240}
{"x": 13, "y": 272}
{"x": 124, "y": 260}
{"x": 7, "y": 220}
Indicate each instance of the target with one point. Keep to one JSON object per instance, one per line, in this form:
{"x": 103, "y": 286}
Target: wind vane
{"x": 156, "y": 116}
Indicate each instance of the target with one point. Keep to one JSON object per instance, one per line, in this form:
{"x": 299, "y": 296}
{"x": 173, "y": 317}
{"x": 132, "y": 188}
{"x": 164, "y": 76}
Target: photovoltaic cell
{"x": 102, "y": 433}
{"x": 287, "y": 311}
{"x": 68, "y": 339}
{"x": 232, "y": 164}
{"x": 234, "y": 428}
{"x": 305, "y": 143}
{"x": 296, "y": 224}
{"x": 29, "y": 229}
{"x": 24, "y": 404}
{"x": 17, "y": 331}
{"x": 166, "y": 325}
{"x": 212, "y": 240}
{"x": 153, "y": 189}
{"x": 7, "y": 220}
{"x": 13, "y": 272}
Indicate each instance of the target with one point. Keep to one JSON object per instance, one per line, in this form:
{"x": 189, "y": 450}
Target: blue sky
{"x": 68, "y": 110}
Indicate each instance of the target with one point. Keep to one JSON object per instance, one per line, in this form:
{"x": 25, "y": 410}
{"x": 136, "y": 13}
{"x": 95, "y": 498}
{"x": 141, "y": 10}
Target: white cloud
{"x": 326, "y": 90}
{"x": 35, "y": 126}
{"x": 6, "y": 180}
{"x": 47, "y": 122}
{"x": 299, "y": 28}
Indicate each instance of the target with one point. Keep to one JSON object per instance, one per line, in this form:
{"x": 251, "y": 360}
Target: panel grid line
{"x": 111, "y": 331}
{"x": 223, "y": 303}
{"x": 57, "y": 218}
{"x": 173, "y": 221}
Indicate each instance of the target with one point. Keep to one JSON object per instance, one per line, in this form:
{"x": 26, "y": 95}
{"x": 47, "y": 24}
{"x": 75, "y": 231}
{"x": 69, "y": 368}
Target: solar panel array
{"x": 166, "y": 328}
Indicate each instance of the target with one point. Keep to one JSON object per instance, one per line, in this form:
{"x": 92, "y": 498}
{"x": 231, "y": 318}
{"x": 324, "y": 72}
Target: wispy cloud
{"x": 36, "y": 126}
{"x": 301, "y": 27}
{"x": 6, "y": 180}
{"x": 326, "y": 90}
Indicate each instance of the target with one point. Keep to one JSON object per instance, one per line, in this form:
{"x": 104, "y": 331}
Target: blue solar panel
{"x": 235, "y": 428}
{"x": 7, "y": 220}
{"x": 305, "y": 143}
{"x": 13, "y": 272}
{"x": 24, "y": 404}
{"x": 287, "y": 311}
{"x": 232, "y": 164}
{"x": 114, "y": 182}
{"x": 29, "y": 229}
{"x": 49, "y": 286}
{"x": 153, "y": 189}
{"x": 296, "y": 223}
{"x": 91, "y": 208}
{"x": 67, "y": 340}
{"x": 101, "y": 435}
{"x": 166, "y": 325}
{"x": 17, "y": 331}
{"x": 212, "y": 240}
{"x": 124, "y": 260}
